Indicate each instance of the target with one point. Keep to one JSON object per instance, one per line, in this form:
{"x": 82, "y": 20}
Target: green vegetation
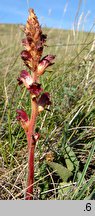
{"x": 64, "y": 156}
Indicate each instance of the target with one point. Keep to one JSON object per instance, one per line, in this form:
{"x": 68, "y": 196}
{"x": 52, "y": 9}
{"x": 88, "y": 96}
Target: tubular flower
{"x": 43, "y": 101}
{"x": 25, "y": 78}
{"x": 44, "y": 63}
{"x": 35, "y": 89}
{"x": 22, "y": 117}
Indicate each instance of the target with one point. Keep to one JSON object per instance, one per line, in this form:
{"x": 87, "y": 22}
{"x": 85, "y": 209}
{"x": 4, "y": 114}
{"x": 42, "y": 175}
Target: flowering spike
{"x": 44, "y": 63}
{"x": 33, "y": 43}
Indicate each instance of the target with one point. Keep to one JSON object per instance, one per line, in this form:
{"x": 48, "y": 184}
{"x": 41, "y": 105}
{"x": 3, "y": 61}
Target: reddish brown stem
{"x": 30, "y": 180}
{"x": 31, "y": 148}
{"x": 31, "y": 128}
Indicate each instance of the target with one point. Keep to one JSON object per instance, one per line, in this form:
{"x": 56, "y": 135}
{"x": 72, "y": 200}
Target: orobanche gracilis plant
{"x": 32, "y": 56}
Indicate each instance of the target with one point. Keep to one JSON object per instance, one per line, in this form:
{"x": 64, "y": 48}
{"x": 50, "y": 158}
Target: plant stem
{"x": 30, "y": 181}
{"x": 31, "y": 128}
{"x": 31, "y": 148}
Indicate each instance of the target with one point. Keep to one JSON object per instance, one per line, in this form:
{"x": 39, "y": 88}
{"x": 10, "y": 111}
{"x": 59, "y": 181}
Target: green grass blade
{"x": 85, "y": 188}
{"x": 85, "y": 170}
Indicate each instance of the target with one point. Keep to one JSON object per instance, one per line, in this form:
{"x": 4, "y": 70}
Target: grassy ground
{"x": 64, "y": 156}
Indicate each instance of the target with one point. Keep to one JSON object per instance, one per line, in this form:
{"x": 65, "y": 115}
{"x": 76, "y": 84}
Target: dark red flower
{"x": 22, "y": 115}
{"x": 44, "y": 63}
{"x": 25, "y": 55}
{"x": 35, "y": 89}
{"x": 25, "y": 78}
{"x": 43, "y": 101}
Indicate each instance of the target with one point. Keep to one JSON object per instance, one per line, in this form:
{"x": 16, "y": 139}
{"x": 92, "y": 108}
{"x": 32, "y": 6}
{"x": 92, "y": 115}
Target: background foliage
{"x": 64, "y": 156}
